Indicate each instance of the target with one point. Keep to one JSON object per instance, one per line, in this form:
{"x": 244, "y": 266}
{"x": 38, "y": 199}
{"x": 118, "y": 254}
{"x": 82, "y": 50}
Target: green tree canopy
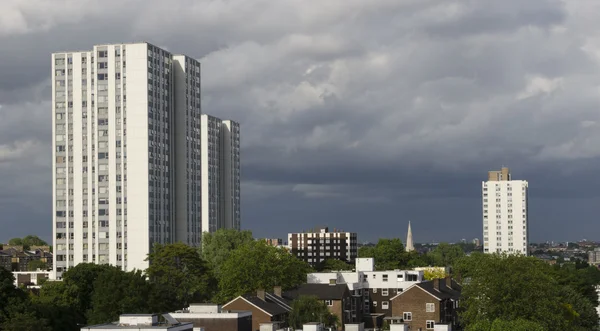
{"x": 82, "y": 278}
{"x": 306, "y": 309}
{"x": 389, "y": 254}
{"x": 57, "y": 303}
{"x": 445, "y": 255}
{"x": 514, "y": 287}
{"x": 504, "y": 325}
{"x": 180, "y": 276}
{"x": 11, "y": 298}
{"x": 27, "y": 241}
{"x": 256, "y": 265}
{"x": 25, "y": 321}
{"x": 217, "y": 246}
{"x": 334, "y": 265}
{"x": 118, "y": 292}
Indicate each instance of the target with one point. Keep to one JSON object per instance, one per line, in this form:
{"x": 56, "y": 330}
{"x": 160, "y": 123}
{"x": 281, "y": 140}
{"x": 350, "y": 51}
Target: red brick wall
{"x": 258, "y": 316}
{"x": 414, "y": 300}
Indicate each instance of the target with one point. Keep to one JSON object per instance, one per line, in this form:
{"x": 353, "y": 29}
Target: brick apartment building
{"x": 427, "y": 304}
{"x": 15, "y": 258}
{"x": 320, "y": 244}
{"x": 372, "y": 290}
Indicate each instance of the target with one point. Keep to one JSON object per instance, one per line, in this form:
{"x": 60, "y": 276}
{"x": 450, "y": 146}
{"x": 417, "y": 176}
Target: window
{"x": 329, "y": 303}
{"x": 385, "y": 278}
{"x": 374, "y": 290}
{"x": 385, "y": 305}
{"x": 384, "y": 292}
{"x": 430, "y": 325}
{"x": 430, "y": 307}
{"x": 374, "y": 303}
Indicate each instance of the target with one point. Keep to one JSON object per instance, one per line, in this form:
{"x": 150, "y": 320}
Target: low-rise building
{"x": 15, "y": 258}
{"x": 319, "y": 245}
{"x": 266, "y": 308}
{"x": 373, "y": 289}
{"x": 337, "y": 297}
{"x": 31, "y": 279}
{"x": 144, "y": 322}
{"x": 427, "y": 304}
{"x": 212, "y": 317}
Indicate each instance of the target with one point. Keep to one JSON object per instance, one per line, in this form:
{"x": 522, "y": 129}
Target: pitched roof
{"x": 272, "y": 305}
{"x": 444, "y": 292}
{"x": 321, "y": 291}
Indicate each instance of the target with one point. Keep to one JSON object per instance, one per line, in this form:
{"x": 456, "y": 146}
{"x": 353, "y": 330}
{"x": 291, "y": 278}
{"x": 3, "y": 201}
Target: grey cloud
{"x": 358, "y": 114}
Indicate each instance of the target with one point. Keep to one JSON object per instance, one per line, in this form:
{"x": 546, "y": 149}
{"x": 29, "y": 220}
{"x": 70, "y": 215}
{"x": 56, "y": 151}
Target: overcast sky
{"x": 359, "y": 115}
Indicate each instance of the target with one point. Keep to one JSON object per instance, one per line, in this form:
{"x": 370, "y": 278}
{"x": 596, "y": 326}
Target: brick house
{"x": 211, "y": 317}
{"x": 337, "y": 297}
{"x": 426, "y": 304}
{"x": 265, "y": 307}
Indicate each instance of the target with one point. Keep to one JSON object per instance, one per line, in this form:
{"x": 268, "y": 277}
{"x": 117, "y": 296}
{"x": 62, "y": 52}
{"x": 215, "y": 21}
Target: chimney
{"x": 260, "y": 293}
{"x": 436, "y": 284}
{"x": 277, "y": 291}
{"x": 449, "y": 282}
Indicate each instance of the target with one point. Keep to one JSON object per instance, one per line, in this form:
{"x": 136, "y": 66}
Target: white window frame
{"x": 375, "y": 290}
{"x": 385, "y": 305}
{"x": 430, "y": 307}
{"x": 430, "y": 325}
{"x": 407, "y": 316}
{"x": 374, "y": 303}
{"x": 385, "y": 292}
{"x": 329, "y": 303}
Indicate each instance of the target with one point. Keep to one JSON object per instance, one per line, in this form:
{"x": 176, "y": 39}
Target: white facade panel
{"x": 126, "y": 145}
{"x": 505, "y": 216}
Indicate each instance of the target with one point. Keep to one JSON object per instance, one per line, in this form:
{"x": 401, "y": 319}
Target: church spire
{"x": 409, "y": 240}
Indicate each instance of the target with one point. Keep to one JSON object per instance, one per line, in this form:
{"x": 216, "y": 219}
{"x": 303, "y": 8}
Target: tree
{"x": 37, "y": 264}
{"x": 16, "y": 242}
{"x": 11, "y": 298}
{"x": 180, "y": 276}
{"x": 334, "y": 265}
{"x": 22, "y": 321}
{"x": 80, "y": 280}
{"x": 416, "y": 259}
{"x": 513, "y": 287}
{"x": 585, "y": 315}
{"x": 389, "y": 254}
{"x": 433, "y": 273}
{"x": 57, "y": 303}
{"x": 306, "y": 309}
{"x": 217, "y": 246}
{"x": 27, "y": 241}
{"x": 256, "y": 265}
{"x": 445, "y": 255}
{"x": 506, "y": 325}
{"x": 118, "y": 292}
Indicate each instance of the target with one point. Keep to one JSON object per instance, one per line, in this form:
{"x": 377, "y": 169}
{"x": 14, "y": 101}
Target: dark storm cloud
{"x": 355, "y": 114}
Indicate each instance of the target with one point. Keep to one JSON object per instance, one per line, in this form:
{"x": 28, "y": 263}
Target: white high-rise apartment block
{"x": 126, "y": 154}
{"x": 505, "y": 213}
{"x": 220, "y": 150}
